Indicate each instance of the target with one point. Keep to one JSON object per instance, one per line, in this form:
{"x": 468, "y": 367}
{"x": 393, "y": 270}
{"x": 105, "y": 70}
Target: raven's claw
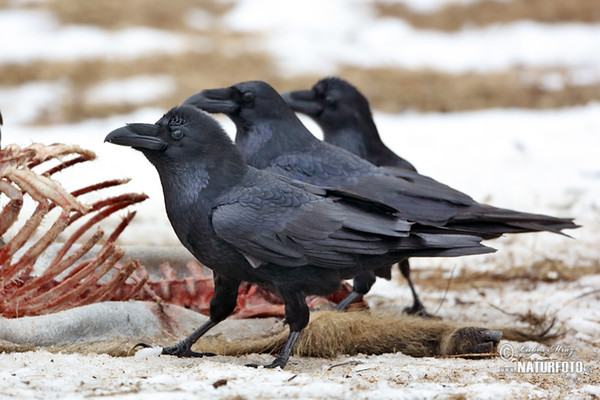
{"x": 181, "y": 350}
{"x": 418, "y": 310}
{"x": 276, "y": 363}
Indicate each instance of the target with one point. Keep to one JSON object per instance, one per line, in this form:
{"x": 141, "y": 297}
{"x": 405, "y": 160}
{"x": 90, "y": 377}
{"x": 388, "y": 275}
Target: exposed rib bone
{"x": 118, "y": 203}
{"x": 27, "y": 260}
{"x": 10, "y": 212}
{"x": 24, "y": 294}
{"x": 21, "y": 237}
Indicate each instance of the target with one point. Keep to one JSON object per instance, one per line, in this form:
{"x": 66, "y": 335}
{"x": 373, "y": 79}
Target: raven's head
{"x": 265, "y": 126}
{"x": 182, "y": 134}
{"x": 245, "y": 103}
{"x": 331, "y": 102}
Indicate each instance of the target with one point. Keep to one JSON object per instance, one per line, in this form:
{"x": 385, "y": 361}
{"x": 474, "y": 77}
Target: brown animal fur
{"x": 328, "y": 334}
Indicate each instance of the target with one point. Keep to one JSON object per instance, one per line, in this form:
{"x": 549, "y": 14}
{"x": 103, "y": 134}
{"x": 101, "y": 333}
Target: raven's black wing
{"x": 292, "y": 224}
{"x": 414, "y": 196}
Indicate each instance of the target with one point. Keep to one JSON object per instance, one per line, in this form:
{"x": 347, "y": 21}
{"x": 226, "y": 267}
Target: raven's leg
{"x": 361, "y": 286}
{"x": 417, "y": 308}
{"x": 221, "y": 305}
{"x": 296, "y": 316}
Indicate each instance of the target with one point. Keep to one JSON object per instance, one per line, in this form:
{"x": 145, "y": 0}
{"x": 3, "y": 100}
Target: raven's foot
{"x": 278, "y": 362}
{"x": 181, "y": 349}
{"x": 285, "y": 354}
{"x": 472, "y": 341}
{"x": 342, "y": 305}
{"x": 418, "y": 310}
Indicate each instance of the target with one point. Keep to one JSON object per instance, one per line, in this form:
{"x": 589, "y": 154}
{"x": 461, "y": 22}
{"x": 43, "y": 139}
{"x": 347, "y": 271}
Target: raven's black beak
{"x": 214, "y": 101}
{"x": 138, "y": 136}
{"x": 303, "y": 101}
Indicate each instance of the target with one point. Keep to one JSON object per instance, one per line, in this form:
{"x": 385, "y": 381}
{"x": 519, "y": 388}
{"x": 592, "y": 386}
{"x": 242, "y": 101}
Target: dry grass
{"x": 390, "y": 90}
{"x": 117, "y": 14}
{"x": 539, "y": 271}
{"x": 191, "y": 71}
{"x": 171, "y": 15}
{"x": 395, "y": 90}
{"x": 456, "y": 16}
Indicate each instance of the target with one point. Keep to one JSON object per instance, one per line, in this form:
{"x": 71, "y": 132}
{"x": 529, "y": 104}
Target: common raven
{"x": 344, "y": 116}
{"x": 287, "y": 236}
{"x": 270, "y": 136}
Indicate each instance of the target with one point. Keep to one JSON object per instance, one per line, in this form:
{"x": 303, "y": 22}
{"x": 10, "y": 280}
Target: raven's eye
{"x": 320, "y": 88}
{"x": 177, "y": 134}
{"x": 329, "y": 100}
{"x": 248, "y": 96}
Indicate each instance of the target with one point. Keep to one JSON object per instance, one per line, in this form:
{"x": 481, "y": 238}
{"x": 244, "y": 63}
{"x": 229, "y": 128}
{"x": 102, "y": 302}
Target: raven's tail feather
{"x": 490, "y": 222}
{"x": 440, "y": 245}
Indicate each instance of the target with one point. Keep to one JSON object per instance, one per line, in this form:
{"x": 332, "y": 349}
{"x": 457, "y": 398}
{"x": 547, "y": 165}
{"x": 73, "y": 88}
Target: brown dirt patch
{"x": 116, "y": 14}
{"x": 530, "y": 274}
{"x": 171, "y": 15}
{"x": 192, "y": 72}
{"x": 456, "y": 16}
{"x": 389, "y": 90}
{"x": 394, "y": 90}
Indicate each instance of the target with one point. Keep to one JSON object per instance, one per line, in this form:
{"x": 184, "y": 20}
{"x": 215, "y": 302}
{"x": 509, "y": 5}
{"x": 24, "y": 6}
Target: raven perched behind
{"x": 344, "y": 116}
{"x": 271, "y": 137}
{"x": 290, "y": 237}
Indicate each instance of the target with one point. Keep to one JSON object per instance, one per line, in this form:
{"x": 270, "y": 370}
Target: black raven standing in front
{"x": 271, "y": 137}
{"x": 287, "y": 236}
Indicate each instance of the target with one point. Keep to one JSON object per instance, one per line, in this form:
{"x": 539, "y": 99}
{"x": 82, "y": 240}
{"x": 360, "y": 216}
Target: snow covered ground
{"x": 537, "y": 161}
{"x": 303, "y": 40}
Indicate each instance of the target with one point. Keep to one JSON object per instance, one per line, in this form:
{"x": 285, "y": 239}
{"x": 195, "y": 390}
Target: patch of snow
{"x": 592, "y": 390}
{"x": 24, "y": 103}
{"x": 428, "y": 6}
{"x": 40, "y": 37}
{"x": 148, "y": 352}
{"x": 555, "y": 80}
{"x": 305, "y": 41}
{"x": 199, "y": 19}
{"x": 138, "y": 89}
{"x": 584, "y": 76}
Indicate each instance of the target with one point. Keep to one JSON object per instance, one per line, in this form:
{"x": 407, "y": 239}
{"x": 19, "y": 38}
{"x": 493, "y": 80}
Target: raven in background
{"x": 270, "y": 136}
{"x": 344, "y": 116}
{"x": 290, "y": 237}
